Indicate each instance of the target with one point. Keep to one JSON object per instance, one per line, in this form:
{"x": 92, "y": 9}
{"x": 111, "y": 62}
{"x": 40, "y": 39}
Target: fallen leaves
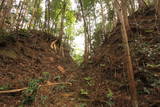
{"x": 61, "y": 69}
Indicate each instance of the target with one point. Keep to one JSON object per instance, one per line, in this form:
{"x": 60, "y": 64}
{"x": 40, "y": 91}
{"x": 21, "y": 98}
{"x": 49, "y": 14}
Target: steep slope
{"x": 107, "y": 67}
{"x": 26, "y": 59}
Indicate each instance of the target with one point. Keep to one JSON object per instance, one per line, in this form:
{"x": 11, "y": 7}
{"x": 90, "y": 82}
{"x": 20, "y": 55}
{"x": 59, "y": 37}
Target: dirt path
{"x": 27, "y": 60}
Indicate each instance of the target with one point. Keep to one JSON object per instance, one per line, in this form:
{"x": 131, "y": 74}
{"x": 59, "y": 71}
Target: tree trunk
{"x": 33, "y": 14}
{"x": 142, "y": 4}
{"x": 103, "y": 17}
{"x": 124, "y": 4}
{"x": 5, "y": 13}
{"x": 89, "y": 36}
{"x": 61, "y": 33}
{"x": 132, "y": 4}
{"x": 24, "y": 15}
{"x": 157, "y": 6}
{"x": 48, "y": 16}
{"x": 130, "y": 72}
{"x": 2, "y": 4}
{"x": 95, "y": 18}
{"x": 86, "y": 53}
{"x": 21, "y": 4}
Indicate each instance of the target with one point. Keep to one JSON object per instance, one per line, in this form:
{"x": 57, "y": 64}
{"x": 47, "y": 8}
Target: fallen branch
{"x": 92, "y": 100}
{"x": 22, "y": 89}
{"x": 12, "y": 91}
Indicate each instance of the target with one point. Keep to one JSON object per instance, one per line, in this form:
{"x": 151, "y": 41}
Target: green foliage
{"x": 46, "y": 75}
{"x": 70, "y": 17}
{"x": 111, "y": 12}
{"x": 43, "y": 99}
{"x": 89, "y": 81}
{"x": 4, "y": 87}
{"x": 30, "y": 93}
{"x": 60, "y": 87}
{"x": 33, "y": 86}
{"x": 23, "y": 33}
{"x": 109, "y": 94}
{"x": 20, "y": 106}
{"x": 78, "y": 58}
{"x": 149, "y": 30}
{"x": 102, "y": 65}
{"x": 28, "y": 100}
{"x": 98, "y": 36}
{"x": 144, "y": 90}
{"x": 147, "y": 50}
{"x": 82, "y": 105}
{"x": 5, "y": 36}
{"x": 8, "y": 53}
{"x": 110, "y": 103}
{"x": 57, "y": 78}
{"x": 153, "y": 65}
{"x": 88, "y": 78}
{"x": 88, "y": 4}
{"x": 38, "y": 14}
{"x": 110, "y": 97}
{"x": 83, "y": 92}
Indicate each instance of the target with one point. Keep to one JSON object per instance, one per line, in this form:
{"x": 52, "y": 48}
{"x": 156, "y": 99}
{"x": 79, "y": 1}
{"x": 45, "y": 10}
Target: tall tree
{"x": 132, "y": 6}
{"x": 157, "y": 6}
{"x": 132, "y": 86}
{"x": 86, "y": 51}
{"x": 33, "y": 13}
{"x": 103, "y": 16}
{"x": 2, "y": 4}
{"x": 19, "y": 16}
{"x": 61, "y": 33}
{"x": 5, "y": 13}
{"x": 142, "y": 4}
{"x": 124, "y": 8}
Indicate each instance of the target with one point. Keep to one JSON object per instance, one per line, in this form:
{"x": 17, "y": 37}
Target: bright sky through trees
{"x": 79, "y": 40}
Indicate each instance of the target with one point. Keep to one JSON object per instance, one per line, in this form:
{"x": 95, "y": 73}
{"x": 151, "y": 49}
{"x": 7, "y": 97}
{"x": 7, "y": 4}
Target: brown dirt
{"x": 100, "y": 82}
{"x": 107, "y": 67}
{"x": 26, "y": 57}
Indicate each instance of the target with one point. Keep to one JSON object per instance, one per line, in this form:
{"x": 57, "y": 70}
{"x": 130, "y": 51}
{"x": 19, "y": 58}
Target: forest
{"x": 79, "y": 53}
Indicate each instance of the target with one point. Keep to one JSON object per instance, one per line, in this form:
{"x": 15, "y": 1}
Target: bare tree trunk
{"x": 48, "y": 16}
{"x": 61, "y": 33}
{"x": 157, "y": 6}
{"x": 33, "y": 14}
{"x": 89, "y": 36}
{"x": 130, "y": 72}
{"x": 1, "y": 13}
{"x": 86, "y": 54}
{"x": 95, "y": 18}
{"x": 24, "y": 15}
{"x": 5, "y": 13}
{"x": 132, "y": 4}
{"x": 19, "y": 15}
{"x": 2, "y": 4}
{"x": 103, "y": 17}
{"x": 142, "y": 4}
{"x": 124, "y": 4}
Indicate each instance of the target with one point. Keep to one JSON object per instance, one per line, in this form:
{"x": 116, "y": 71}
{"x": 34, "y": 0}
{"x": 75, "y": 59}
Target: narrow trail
{"x": 46, "y": 78}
